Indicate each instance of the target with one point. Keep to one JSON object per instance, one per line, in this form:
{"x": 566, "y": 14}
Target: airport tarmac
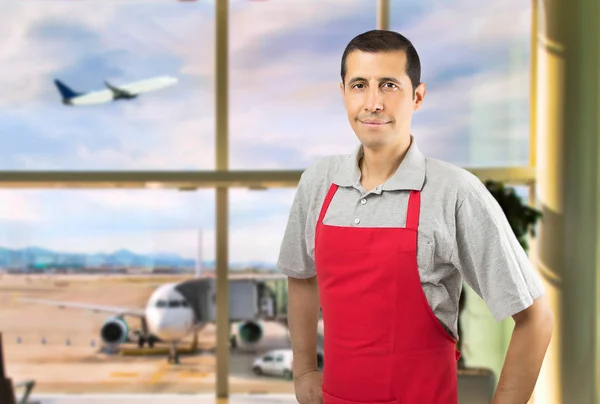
{"x": 59, "y": 348}
{"x": 77, "y": 370}
{"x": 164, "y": 399}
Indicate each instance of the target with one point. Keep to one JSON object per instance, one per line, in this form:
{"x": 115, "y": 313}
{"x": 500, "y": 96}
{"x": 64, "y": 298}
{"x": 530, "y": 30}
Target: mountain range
{"x": 40, "y": 257}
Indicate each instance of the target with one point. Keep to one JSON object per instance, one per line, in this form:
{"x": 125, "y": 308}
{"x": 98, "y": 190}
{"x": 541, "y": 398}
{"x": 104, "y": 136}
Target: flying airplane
{"x": 176, "y": 310}
{"x": 114, "y": 93}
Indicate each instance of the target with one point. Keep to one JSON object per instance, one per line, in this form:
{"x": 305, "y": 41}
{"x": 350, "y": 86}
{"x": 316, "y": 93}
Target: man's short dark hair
{"x": 386, "y": 41}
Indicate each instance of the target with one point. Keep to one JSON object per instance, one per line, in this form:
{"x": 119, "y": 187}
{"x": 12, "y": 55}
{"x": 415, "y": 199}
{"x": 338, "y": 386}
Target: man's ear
{"x": 342, "y": 88}
{"x": 419, "y": 95}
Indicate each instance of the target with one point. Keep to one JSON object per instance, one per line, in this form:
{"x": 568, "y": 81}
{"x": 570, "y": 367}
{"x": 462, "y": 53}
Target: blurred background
{"x": 191, "y": 172}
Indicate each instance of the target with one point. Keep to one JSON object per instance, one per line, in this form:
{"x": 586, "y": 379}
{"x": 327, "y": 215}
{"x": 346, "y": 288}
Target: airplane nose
{"x": 165, "y": 325}
{"x": 170, "y": 328}
{"x": 164, "y": 329}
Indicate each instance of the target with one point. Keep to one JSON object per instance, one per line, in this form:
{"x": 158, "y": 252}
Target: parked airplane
{"x": 124, "y": 92}
{"x": 176, "y": 310}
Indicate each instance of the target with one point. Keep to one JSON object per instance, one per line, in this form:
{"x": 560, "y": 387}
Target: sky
{"x": 285, "y": 108}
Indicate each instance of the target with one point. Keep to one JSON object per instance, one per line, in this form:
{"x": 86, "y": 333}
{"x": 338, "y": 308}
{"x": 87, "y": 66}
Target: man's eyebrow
{"x": 393, "y": 80}
{"x": 355, "y": 79}
{"x": 381, "y": 80}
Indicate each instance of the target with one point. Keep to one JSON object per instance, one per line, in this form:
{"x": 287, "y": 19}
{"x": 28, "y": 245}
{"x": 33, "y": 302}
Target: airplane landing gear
{"x": 142, "y": 340}
{"x": 173, "y": 355}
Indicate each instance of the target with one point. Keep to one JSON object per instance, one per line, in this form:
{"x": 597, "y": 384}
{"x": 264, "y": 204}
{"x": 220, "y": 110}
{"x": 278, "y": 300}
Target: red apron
{"x": 383, "y": 343}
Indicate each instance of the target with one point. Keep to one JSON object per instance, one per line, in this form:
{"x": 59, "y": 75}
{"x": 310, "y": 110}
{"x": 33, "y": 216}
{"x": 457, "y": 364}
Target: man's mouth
{"x": 374, "y": 123}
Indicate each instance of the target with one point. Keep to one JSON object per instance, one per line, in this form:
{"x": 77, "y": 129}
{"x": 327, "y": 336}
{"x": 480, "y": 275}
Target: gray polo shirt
{"x": 463, "y": 233}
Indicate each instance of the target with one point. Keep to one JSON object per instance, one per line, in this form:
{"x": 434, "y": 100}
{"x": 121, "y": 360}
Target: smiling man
{"x": 382, "y": 239}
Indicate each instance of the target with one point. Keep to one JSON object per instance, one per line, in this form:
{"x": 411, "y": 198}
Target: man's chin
{"x": 375, "y": 140}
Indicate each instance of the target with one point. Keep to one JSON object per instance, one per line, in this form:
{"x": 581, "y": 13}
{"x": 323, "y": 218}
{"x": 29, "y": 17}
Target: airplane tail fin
{"x": 65, "y": 91}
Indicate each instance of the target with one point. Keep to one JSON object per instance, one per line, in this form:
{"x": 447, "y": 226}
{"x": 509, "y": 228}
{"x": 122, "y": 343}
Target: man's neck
{"x": 378, "y": 165}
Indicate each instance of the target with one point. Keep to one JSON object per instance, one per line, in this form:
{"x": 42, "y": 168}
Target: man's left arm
{"x": 494, "y": 264}
{"x": 526, "y": 351}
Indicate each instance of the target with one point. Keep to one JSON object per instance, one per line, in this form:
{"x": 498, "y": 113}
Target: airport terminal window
{"x": 83, "y": 46}
{"x": 99, "y": 248}
{"x": 254, "y": 210}
{"x": 259, "y": 218}
{"x": 475, "y": 62}
{"x": 285, "y": 103}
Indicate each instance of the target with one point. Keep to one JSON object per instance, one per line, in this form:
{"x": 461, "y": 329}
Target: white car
{"x": 277, "y": 362}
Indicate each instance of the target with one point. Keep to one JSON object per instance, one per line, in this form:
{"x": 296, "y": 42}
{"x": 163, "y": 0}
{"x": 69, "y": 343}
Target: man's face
{"x": 379, "y": 98}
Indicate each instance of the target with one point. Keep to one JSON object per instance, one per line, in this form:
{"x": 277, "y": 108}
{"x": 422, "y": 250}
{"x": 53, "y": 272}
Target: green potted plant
{"x": 522, "y": 219}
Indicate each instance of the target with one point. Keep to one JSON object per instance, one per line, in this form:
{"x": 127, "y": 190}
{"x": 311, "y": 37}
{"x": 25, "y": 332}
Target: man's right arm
{"x": 303, "y": 316}
{"x": 297, "y": 262}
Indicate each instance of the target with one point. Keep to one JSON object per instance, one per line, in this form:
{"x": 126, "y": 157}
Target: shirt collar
{"x": 410, "y": 175}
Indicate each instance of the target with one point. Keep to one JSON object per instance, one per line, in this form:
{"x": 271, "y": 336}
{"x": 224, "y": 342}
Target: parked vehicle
{"x": 278, "y": 362}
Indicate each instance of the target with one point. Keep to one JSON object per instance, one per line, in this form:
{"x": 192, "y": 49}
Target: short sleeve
{"x": 490, "y": 257}
{"x": 294, "y": 259}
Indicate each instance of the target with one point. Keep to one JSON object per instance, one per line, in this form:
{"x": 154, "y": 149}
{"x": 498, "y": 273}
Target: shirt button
{"x": 363, "y": 201}
{"x": 357, "y": 220}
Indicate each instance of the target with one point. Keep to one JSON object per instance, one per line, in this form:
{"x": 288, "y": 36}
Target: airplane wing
{"x": 106, "y": 309}
{"x": 120, "y": 91}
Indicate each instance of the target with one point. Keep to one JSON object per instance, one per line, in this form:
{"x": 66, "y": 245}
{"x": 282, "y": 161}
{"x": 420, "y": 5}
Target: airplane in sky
{"x": 113, "y": 93}
{"x": 176, "y": 310}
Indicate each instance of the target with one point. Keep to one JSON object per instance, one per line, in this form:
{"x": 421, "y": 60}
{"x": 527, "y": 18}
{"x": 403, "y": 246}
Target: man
{"x": 382, "y": 239}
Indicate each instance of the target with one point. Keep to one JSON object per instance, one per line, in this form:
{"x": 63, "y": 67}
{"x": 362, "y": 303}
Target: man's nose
{"x": 374, "y": 100}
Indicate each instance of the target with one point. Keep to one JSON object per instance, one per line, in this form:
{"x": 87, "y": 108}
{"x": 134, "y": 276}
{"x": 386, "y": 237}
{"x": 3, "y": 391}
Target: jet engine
{"x": 250, "y": 332}
{"x": 114, "y": 331}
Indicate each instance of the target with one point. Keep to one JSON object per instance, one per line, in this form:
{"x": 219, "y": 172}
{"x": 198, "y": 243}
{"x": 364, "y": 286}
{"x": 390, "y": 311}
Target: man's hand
{"x": 308, "y": 388}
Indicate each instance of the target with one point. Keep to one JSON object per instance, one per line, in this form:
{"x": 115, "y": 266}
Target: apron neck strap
{"x": 414, "y": 207}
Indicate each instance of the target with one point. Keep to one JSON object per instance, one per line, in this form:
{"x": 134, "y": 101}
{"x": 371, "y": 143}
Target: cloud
{"x": 467, "y": 33}
{"x": 246, "y": 244}
{"x": 183, "y": 242}
{"x": 27, "y": 59}
{"x": 19, "y": 208}
{"x": 145, "y": 221}
{"x": 168, "y": 131}
{"x": 125, "y": 200}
